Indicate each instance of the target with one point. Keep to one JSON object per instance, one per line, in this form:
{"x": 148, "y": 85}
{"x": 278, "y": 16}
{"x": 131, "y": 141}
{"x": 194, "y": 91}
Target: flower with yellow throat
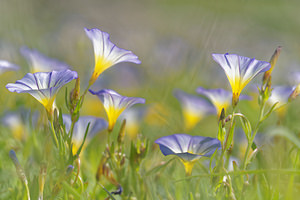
{"x": 107, "y": 54}
{"x": 240, "y": 71}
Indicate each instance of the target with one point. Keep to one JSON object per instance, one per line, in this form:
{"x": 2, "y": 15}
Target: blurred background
{"x": 173, "y": 39}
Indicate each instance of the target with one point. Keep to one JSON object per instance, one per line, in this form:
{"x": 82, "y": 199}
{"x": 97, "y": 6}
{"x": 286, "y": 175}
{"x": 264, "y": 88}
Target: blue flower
{"x": 219, "y": 97}
{"x": 7, "y": 66}
{"x": 240, "y": 71}
{"x": 43, "y": 86}
{"x": 107, "y": 54}
{"x": 188, "y": 148}
{"x": 96, "y": 125}
{"x": 194, "y": 108}
{"x": 280, "y": 95}
{"x": 41, "y": 63}
{"x": 114, "y": 104}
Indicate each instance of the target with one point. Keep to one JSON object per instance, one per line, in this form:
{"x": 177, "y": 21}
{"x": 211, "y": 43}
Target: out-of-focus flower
{"x": 133, "y": 117}
{"x": 188, "y": 148}
{"x": 15, "y": 124}
{"x": 282, "y": 95}
{"x": 194, "y": 108}
{"x": 157, "y": 114}
{"x": 43, "y": 86}
{"x": 219, "y": 97}
{"x": 294, "y": 77}
{"x": 240, "y": 71}
{"x": 107, "y": 54}
{"x": 38, "y": 62}
{"x": 96, "y": 125}
{"x": 7, "y": 66}
{"x": 114, "y": 104}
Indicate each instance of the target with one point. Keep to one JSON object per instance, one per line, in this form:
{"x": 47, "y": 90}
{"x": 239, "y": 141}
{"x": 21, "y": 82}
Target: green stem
{"x": 71, "y": 133}
{"x": 250, "y": 141}
{"x": 54, "y": 134}
{"x": 27, "y": 190}
{"x": 108, "y": 137}
{"x": 94, "y": 189}
{"x": 226, "y": 139}
{"x": 229, "y": 130}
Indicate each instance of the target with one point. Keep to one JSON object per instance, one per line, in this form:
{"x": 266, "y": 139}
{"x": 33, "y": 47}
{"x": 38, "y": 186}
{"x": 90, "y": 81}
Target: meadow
{"x": 177, "y": 100}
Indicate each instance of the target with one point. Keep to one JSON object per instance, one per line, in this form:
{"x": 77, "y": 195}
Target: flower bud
{"x": 273, "y": 61}
{"x": 18, "y": 166}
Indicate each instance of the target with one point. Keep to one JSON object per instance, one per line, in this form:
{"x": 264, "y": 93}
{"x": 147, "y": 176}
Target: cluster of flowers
{"x": 51, "y": 75}
{"x": 240, "y": 71}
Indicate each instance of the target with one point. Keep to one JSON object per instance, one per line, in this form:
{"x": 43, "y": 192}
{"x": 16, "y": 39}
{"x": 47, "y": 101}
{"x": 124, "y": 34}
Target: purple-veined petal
{"x": 106, "y": 53}
{"x": 240, "y": 70}
{"x": 114, "y": 104}
{"x": 43, "y": 85}
{"x": 280, "y": 95}
{"x": 188, "y": 147}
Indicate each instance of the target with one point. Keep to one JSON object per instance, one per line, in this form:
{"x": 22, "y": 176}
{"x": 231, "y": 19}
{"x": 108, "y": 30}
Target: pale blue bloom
{"x": 7, "y": 66}
{"x": 43, "y": 86}
{"x": 194, "y": 108}
{"x": 188, "y": 148}
{"x": 38, "y": 62}
{"x": 96, "y": 125}
{"x": 106, "y": 53}
{"x": 114, "y": 104}
{"x": 240, "y": 71}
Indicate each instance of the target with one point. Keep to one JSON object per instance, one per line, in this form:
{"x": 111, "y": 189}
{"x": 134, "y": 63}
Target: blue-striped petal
{"x": 114, "y": 104}
{"x": 106, "y": 53}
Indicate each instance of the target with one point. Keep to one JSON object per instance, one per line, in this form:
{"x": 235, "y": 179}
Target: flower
{"x": 40, "y": 63}
{"x": 18, "y": 121}
{"x": 96, "y": 125}
{"x": 7, "y": 66}
{"x": 280, "y": 95}
{"x": 115, "y": 104}
{"x": 188, "y": 148}
{"x": 43, "y": 85}
{"x": 240, "y": 71}
{"x": 194, "y": 108}
{"x": 107, "y": 54}
{"x": 219, "y": 97}
{"x": 134, "y": 118}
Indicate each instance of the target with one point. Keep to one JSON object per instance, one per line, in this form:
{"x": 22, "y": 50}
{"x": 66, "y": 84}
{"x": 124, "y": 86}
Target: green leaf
{"x": 221, "y": 132}
{"x": 85, "y": 134}
{"x": 253, "y": 146}
{"x": 269, "y": 112}
{"x": 211, "y": 159}
{"x": 230, "y": 137}
{"x": 66, "y": 98}
{"x": 191, "y": 196}
{"x": 246, "y": 125}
